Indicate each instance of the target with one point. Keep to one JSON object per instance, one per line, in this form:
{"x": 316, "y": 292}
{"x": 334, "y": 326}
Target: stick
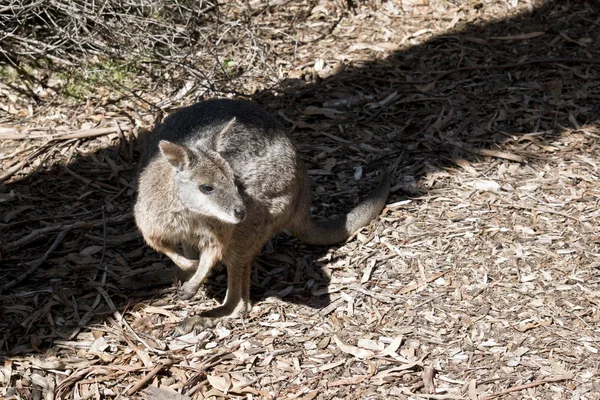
{"x": 422, "y": 283}
{"x": 59, "y": 227}
{"x": 16, "y": 168}
{"x": 150, "y": 375}
{"x": 496, "y": 153}
{"x": 433, "y": 396}
{"x": 35, "y": 264}
{"x": 95, "y": 184}
{"x": 527, "y": 386}
{"x": 86, "y": 133}
{"x": 537, "y": 61}
{"x": 539, "y": 210}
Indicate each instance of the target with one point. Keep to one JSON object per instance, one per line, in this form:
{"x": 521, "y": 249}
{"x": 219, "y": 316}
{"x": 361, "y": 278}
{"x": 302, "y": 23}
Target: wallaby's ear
{"x": 225, "y": 130}
{"x": 178, "y": 156}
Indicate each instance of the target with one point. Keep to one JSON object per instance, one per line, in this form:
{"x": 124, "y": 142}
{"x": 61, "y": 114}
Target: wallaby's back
{"x": 220, "y": 178}
{"x": 266, "y": 166}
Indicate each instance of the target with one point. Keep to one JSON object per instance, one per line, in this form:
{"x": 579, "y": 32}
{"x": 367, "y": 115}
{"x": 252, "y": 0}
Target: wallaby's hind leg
{"x": 237, "y": 301}
{"x": 238, "y": 259}
{"x": 170, "y": 250}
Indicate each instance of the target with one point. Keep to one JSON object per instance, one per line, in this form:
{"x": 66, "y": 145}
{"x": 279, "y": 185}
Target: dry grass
{"x": 481, "y": 279}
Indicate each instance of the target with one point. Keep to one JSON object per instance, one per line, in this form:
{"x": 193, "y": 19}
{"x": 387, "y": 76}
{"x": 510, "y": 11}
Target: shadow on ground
{"x": 389, "y": 112}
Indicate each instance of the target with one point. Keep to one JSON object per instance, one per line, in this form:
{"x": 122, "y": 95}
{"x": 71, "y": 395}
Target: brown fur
{"x": 219, "y": 179}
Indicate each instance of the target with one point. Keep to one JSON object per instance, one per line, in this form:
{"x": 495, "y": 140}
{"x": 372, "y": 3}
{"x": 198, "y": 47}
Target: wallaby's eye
{"x": 207, "y": 189}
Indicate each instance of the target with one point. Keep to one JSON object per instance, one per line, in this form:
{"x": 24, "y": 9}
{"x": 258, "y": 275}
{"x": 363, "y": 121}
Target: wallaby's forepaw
{"x": 187, "y": 290}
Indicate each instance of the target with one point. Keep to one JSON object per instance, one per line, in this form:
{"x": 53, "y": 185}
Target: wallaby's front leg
{"x": 208, "y": 258}
{"x": 170, "y": 250}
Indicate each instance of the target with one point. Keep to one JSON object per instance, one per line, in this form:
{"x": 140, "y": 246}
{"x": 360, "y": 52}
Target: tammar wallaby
{"x": 219, "y": 178}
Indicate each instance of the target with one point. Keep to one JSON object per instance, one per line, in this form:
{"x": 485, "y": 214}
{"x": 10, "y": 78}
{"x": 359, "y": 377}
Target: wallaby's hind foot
{"x": 236, "y": 304}
{"x": 208, "y": 319}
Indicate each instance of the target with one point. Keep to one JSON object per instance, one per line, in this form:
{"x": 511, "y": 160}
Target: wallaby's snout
{"x": 226, "y": 205}
{"x": 240, "y": 212}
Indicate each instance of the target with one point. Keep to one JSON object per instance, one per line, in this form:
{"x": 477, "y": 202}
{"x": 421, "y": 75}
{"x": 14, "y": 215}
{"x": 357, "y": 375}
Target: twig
{"x": 538, "y": 61}
{"x": 151, "y": 374}
{"x": 495, "y": 153}
{"x": 33, "y": 265}
{"x": 88, "y": 181}
{"x": 123, "y": 323}
{"x": 433, "y": 396}
{"x": 59, "y": 227}
{"x": 72, "y": 378}
{"x": 14, "y": 153}
{"x": 524, "y": 386}
{"x": 539, "y": 210}
{"x": 422, "y": 283}
{"x": 16, "y": 168}
{"x": 13, "y": 170}
{"x": 82, "y": 134}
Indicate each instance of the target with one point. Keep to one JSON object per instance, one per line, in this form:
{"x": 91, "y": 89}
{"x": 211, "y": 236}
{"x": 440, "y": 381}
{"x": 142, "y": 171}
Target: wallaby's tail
{"x": 333, "y": 231}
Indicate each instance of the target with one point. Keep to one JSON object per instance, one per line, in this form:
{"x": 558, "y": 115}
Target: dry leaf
{"x": 352, "y": 350}
{"x": 221, "y": 383}
{"x": 353, "y": 380}
{"x": 369, "y": 344}
{"x": 486, "y": 186}
{"x": 161, "y": 311}
{"x": 328, "y": 112}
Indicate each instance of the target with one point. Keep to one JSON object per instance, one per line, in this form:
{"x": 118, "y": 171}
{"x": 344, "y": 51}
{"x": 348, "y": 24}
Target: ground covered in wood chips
{"x": 480, "y": 280}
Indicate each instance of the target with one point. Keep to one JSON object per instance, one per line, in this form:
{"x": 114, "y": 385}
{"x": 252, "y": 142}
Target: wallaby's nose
{"x": 240, "y": 212}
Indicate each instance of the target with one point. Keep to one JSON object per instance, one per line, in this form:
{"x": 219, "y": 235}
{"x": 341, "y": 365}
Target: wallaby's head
{"x": 204, "y": 181}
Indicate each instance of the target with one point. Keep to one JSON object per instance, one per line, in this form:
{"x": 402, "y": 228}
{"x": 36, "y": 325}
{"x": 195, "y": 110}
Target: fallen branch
{"x": 496, "y": 154}
{"x": 95, "y": 184}
{"x": 540, "y": 210}
{"x": 524, "y": 386}
{"x": 61, "y": 227}
{"x": 433, "y": 396}
{"x": 151, "y": 374}
{"x": 16, "y": 168}
{"x": 33, "y": 265}
{"x": 82, "y": 134}
{"x": 537, "y": 61}
{"x": 422, "y": 283}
